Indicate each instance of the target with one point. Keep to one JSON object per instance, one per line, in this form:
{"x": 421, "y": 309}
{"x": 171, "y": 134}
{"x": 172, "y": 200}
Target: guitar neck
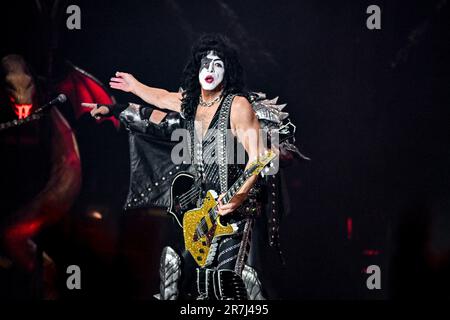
{"x": 237, "y": 185}
{"x": 254, "y": 169}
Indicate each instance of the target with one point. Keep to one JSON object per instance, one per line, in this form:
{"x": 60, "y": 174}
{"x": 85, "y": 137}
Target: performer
{"x": 212, "y": 102}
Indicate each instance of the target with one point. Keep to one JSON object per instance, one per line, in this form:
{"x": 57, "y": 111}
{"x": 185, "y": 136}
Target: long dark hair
{"x": 233, "y": 81}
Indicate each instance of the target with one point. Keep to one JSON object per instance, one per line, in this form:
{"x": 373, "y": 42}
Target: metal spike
{"x": 273, "y": 101}
{"x": 283, "y": 115}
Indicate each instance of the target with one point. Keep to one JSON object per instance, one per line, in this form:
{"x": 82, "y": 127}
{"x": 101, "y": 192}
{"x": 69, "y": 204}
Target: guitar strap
{"x": 224, "y": 117}
{"x": 222, "y": 157}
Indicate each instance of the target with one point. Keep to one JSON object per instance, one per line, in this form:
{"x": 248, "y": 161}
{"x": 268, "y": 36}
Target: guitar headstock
{"x": 259, "y": 164}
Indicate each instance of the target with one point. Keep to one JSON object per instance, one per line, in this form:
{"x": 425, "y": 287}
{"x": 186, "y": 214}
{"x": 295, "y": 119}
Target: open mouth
{"x": 209, "y": 79}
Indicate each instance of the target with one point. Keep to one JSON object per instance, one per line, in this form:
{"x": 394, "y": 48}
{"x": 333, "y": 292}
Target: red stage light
{"x": 371, "y": 252}
{"x": 22, "y": 110}
{"x": 349, "y": 228}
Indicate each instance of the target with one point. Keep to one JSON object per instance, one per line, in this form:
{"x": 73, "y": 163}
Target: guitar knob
{"x": 199, "y": 258}
{"x": 201, "y": 251}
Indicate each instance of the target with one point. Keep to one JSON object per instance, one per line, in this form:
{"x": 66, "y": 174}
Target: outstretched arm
{"x": 160, "y": 98}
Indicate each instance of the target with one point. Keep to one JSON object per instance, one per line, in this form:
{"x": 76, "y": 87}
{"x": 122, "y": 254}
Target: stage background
{"x": 371, "y": 109}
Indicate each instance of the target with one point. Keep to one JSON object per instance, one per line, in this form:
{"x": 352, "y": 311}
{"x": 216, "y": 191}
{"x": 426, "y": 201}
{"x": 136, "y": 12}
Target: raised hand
{"x": 124, "y": 81}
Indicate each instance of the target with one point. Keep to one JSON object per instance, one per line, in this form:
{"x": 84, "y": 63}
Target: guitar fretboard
{"x": 255, "y": 168}
{"x": 237, "y": 185}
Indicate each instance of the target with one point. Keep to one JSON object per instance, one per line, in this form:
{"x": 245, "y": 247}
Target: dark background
{"x": 371, "y": 109}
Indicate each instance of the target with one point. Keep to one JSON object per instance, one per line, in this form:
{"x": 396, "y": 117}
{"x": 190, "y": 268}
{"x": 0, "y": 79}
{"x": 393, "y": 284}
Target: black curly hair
{"x": 233, "y": 81}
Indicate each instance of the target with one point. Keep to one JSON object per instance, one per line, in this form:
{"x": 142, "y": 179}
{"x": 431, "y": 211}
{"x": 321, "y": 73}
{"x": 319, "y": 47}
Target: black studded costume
{"x": 217, "y": 168}
{"x": 228, "y": 276}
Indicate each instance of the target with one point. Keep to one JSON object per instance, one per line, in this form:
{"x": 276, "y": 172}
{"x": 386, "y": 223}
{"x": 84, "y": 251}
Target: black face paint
{"x": 205, "y": 62}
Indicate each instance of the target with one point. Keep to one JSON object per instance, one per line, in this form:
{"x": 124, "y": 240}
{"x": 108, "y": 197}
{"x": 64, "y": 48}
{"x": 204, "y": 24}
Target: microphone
{"x": 61, "y": 98}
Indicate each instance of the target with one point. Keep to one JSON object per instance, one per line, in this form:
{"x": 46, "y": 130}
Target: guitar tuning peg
{"x": 271, "y": 164}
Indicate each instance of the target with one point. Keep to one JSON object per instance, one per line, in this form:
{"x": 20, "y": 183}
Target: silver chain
{"x": 209, "y": 103}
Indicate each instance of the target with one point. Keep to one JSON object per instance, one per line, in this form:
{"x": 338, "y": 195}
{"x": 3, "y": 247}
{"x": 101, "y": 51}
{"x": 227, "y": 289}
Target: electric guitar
{"x": 202, "y": 226}
{"x": 184, "y": 193}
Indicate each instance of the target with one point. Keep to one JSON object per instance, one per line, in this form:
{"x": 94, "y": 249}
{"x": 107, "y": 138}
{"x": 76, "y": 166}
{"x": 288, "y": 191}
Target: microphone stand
{"x": 36, "y": 115}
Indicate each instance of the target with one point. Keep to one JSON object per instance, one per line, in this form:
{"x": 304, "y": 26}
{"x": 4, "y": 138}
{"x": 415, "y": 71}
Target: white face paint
{"x": 211, "y": 71}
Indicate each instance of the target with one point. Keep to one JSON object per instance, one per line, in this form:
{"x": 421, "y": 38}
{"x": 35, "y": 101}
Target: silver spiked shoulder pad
{"x": 275, "y": 121}
{"x": 267, "y": 110}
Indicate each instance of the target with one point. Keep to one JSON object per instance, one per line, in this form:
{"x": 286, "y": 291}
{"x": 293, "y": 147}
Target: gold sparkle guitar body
{"x": 202, "y": 226}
